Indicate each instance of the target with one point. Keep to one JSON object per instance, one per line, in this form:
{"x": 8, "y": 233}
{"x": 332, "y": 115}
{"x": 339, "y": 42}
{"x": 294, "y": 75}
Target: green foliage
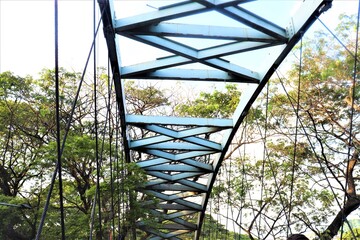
{"x": 16, "y": 222}
{"x": 213, "y": 229}
{"x": 349, "y": 235}
{"x": 212, "y": 105}
{"x": 325, "y": 105}
{"x": 142, "y": 100}
{"x": 27, "y": 134}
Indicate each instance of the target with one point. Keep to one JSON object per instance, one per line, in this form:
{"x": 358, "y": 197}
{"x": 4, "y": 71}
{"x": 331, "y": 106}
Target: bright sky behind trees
{"x": 27, "y": 32}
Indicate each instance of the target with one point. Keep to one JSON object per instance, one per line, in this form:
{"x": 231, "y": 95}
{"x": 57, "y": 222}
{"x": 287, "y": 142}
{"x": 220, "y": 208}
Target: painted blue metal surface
{"x": 180, "y": 158}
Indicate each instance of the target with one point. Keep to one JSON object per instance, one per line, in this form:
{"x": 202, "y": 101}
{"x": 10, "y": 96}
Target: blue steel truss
{"x": 182, "y": 161}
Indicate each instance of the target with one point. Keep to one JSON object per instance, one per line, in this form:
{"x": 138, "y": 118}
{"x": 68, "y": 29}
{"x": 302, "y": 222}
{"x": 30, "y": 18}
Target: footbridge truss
{"x": 181, "y": 158}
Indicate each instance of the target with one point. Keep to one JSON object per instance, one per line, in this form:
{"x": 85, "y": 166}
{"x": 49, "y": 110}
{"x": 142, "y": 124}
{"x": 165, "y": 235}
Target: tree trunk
{"x": 351, "y": 204}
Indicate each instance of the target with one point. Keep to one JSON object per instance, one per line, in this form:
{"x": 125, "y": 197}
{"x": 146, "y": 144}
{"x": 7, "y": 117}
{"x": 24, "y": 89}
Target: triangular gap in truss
{"x": 199, "y": 44}
{"x": 207, "y": 138}
{"x": 129, "y": 8}
{"x": 284, "y": 10}
{"x": 149, "y": 161}
{"x": 210, "y": 18}
{"x": 127, "y": 46}
{"x": 250, "y": 60}
{"x": 152, "y": 53}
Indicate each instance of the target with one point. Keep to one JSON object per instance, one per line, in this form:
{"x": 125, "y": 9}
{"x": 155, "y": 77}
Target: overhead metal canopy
{"x": 182, "y": 161}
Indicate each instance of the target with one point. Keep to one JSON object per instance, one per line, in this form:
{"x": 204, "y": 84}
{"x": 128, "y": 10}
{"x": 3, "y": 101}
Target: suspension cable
{"x": 210, "y": 201}
{"x": 350, "y": 143}
{"x": 125, "y": 205}
{"x": 100, "y": 159}
{"x": 218, "y": 207}
{"x": 227, "y": 170}
{"x": 68, "y": 125}
{"x": 341, "y": 43}
{"x": 264, "y": 152}
{"x": 233, "y": 219}
{"x": 204, "y": 226}
{"x": 242, "y": 204}
{"x": 240, "y": 215}
{"x": 57, "y": 110}
{"x": 98, "y": 166}
{"x": 296, "y": 135}
{"x": 273, "y": 172}
{"x": 92, "y": 215}
{"x": 306, "y": 134}
{"x": 112, "y": 210}
{"x": 245, "y": 177}
{"x": 119, "y": 190}
{"x": 312, "y": 146}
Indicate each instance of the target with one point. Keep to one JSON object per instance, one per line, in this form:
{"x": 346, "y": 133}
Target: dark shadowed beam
{"x": 114, "y": 55}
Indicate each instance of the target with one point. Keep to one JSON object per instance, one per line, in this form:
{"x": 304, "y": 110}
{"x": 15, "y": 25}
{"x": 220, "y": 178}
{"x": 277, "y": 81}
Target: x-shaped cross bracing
{"x": 147, "y": 28}
{"x": 180, "y": 157}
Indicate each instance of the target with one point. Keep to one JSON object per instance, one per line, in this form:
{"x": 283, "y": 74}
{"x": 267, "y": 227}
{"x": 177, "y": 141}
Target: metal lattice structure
{"x": 182, "y": 160}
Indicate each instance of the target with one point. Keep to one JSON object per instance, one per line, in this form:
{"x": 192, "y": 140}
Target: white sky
{"x": 27, "y": 33}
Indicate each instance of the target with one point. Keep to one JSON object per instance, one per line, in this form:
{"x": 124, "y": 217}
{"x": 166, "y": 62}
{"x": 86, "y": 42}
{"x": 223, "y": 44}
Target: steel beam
{"x": 179, "y": 121}
{"x": 205, "y": 31}
{"x": 178, "y": 150}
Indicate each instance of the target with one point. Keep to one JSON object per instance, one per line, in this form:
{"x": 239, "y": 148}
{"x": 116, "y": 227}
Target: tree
{"x": 217, "y": 104}
{"x": 21, "y": 137}
{"x": 328, "y": 126}
{"x": 27, "y": 134}
{"x": 144, "y": 100}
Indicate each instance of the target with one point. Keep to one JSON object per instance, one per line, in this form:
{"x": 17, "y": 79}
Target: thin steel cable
{"x": 105, "y": 130}
{"x": 92, "y": 216}
{"x": 107, "y": 121}
{"x": 264, "y": 153}
{"x": 233, "y": 221}
{"x": 227, "y": 201}
{"x": 350, "y": 144}
{"x": 228, "y": 197}
{"x": 302, "y": 126}
{"x": 123, "y": 174}
{"x": 231, "y": 208}
{"x": 116, "y": 156}
{"x": 110, "y": 152}
{"x": 252, "y": 205}
{"x": 98, "y": 166}
{"x": 296, "y": 135}
{"x": 57, "y": 113}
{"x": 210, "y": 201}
{"x": 204, "y": 227}
{"x": 217, "y": 214}
{"x": 341, "y": 43}
{"x": 117, "y": 171}
{"x": 305, "y": 132}
{"x": 101, "y": 155}
{"x": 246, "y": 180}
{"x": 243, "y": 200}
{"x": 68, "y": 125}
{"x": 238, "y": 219}
{"x": 273, "y": 173}
{"x": 312, "y": 146}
